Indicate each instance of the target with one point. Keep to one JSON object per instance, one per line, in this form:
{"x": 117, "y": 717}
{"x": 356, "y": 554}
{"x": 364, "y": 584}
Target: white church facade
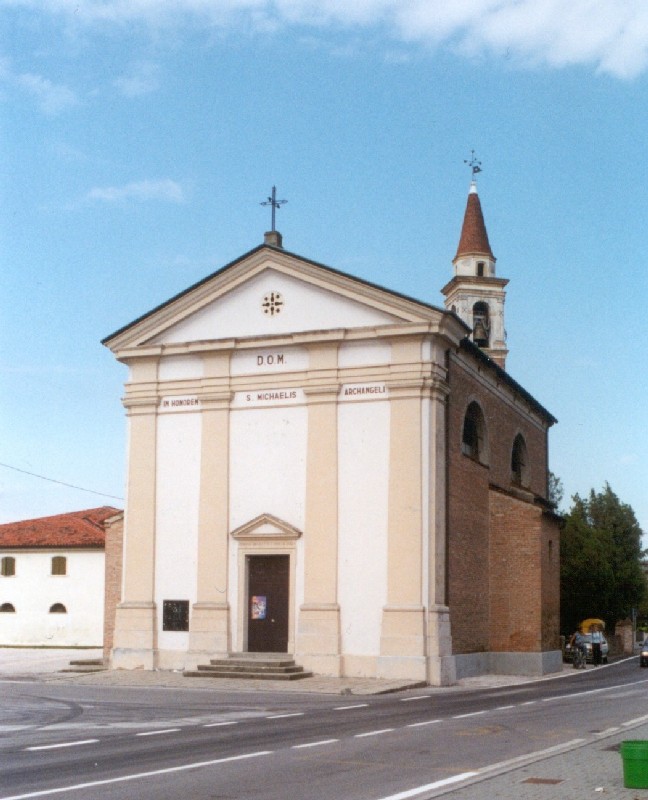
{"x": 323, "y": 467}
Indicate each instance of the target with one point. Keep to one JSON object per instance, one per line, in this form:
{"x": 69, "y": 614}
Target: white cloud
{"x": 142, "y": 80}
{"x": 52, "y": 98}
{"x": 166, "y": 190}
{"x": 610, "y": 36}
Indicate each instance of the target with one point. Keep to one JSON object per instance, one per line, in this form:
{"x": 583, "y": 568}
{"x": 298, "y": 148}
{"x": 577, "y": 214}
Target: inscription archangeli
{"x": 363, "y": 390}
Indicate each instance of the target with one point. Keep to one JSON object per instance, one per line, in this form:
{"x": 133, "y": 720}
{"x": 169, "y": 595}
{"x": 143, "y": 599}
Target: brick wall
{"x": 525, "y": 575}
{"x": 502, "y": 572}
{"x": 114, "y": 541}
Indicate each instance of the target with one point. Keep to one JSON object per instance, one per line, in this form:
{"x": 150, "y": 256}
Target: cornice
{"x": 474, "y": 282}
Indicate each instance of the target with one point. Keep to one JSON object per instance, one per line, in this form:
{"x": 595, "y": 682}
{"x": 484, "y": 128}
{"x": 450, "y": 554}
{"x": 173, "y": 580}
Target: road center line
{"x": 62, "y": 744}
{"x": 218, "y": 724}
{"x": 503, "y": 708}
{"x": 285, "y": 716}
{"x": 137, "y": 776}
{"x": 419, "y": 697}
{"x": 158, "y": 733}
{"x": 373, "y": 733}
{"x": 347, "y": 708}
{"x": 298, "y": 746}
{"x": 472, "y": 714}
{"x": 420, "y": 724}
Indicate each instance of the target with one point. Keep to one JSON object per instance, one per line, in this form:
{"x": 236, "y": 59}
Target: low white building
{"x": 52, "y": 580}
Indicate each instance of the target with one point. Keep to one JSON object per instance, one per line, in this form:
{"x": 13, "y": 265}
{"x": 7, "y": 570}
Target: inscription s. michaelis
{"x": 271, "y": 395}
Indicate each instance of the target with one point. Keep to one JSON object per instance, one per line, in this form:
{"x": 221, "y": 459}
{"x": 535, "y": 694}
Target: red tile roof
{"x": 77, "y": 529}
{"x": 474, "y": 239}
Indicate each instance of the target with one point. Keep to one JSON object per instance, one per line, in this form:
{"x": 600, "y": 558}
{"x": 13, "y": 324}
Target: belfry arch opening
{"x": 481, "y": 324}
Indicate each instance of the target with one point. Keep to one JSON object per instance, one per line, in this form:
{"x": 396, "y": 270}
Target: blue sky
{"x": 139, "y": 137}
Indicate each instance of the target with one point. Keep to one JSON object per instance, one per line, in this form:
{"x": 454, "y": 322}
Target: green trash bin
{"x": 635, "y": 764}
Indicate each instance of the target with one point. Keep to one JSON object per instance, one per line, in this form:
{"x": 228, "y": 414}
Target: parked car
{"x": 588, "y": 647}
{"x": 643, "y": 654}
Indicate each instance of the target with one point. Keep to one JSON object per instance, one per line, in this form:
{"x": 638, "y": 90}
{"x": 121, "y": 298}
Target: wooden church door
{"x": 267, "y": 606}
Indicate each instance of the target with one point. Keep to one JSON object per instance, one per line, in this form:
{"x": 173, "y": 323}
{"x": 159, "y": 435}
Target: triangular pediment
{"x": 266, "y": 526}
{"x": 270, "y": 292}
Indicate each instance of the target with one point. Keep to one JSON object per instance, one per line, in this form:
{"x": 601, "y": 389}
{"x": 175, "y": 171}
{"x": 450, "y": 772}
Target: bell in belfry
{"x": 480, "y": 333}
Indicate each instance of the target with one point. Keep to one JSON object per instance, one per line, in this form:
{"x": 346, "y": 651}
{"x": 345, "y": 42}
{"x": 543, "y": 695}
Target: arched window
{"x": 59, "y": 565}
{"x": 519, "y": 462}
{"x": 481, "y": 324}
{"x": 58, "y": 608}
{"x": 8, "y": 566}
{"x": 473, "y": 439}
{"x": 7, "y": 608}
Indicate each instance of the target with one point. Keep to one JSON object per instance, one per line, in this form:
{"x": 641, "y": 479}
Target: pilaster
{"x": 135, "y": 637}
{"x": 440, "y": 661}
{"x": 210, "y": 626}
{"x": 402, "y": 642}
{"x": 318, "y": 634}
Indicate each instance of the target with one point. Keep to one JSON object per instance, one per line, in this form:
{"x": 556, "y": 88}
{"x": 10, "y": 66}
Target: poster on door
{"x": 259, "y": 606}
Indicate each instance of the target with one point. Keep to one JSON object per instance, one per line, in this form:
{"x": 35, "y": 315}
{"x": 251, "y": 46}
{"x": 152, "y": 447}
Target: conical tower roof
{"x": 474, "y": 239}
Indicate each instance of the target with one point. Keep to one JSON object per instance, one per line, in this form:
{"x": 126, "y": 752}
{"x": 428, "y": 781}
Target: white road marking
{"x": 218, "y": 724}
{"x": 503, "y": 708}
{"x": 608, "y": 731}
{"x": 428, "y": 787}
{"x": 158, "y": 733}
{"x": 346, "y": 708}
{"x": 372, "y": 733}
{"x": 635, "y": 721}
{"x": 301, "y": 746}
{"x": 136, "y": 776}
{"x": 62, "y": 744}
{"x": 285, "y": 716}
{"x": 419, "y": 697}
{"x": 472, "y": 714}
{"x": 421, "y": 724}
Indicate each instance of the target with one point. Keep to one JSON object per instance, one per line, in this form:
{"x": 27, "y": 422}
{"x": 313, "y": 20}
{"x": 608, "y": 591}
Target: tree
{"x": 555, "y": 490}
{"x": 600, "y": 560}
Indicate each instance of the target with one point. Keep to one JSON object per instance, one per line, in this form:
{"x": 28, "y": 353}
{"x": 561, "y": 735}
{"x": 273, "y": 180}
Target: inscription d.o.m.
{"x": 270, "y": 359}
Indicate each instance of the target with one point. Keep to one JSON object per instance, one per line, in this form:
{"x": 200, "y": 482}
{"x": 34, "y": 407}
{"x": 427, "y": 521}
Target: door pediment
{"x": 266, "y": 527}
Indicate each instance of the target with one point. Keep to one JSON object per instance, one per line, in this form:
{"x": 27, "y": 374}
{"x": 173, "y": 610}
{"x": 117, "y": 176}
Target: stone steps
{"x": 251, "y": 666}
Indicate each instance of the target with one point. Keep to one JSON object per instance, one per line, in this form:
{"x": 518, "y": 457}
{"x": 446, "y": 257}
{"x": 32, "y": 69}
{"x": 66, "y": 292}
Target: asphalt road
{"x": 105, "y": 743}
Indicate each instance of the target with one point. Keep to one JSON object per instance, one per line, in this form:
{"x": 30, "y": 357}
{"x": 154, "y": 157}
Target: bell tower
{"x": 475, "y": 294}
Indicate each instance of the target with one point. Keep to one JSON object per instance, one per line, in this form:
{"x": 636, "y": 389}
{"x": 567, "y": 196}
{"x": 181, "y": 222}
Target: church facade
{"x": 323, "y": 467}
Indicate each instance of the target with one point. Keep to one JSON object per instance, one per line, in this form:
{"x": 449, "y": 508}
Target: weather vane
{"x": 272, "y": 201}
{"x": 474, "y": 164}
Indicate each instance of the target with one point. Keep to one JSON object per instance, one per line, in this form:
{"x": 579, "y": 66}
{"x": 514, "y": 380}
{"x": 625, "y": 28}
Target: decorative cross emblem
{"x": 272, "y": 303}
{"x": 474, "y": 164}
{"x": 272, "y": 201}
